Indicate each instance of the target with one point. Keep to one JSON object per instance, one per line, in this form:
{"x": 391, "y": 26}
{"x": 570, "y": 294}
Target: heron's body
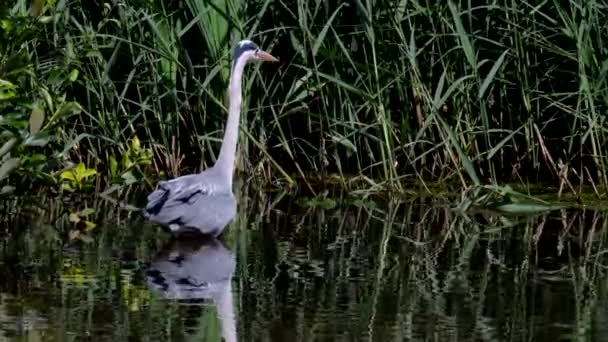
{"x": 200, "y": 201}
{"x": 204, "y": 202}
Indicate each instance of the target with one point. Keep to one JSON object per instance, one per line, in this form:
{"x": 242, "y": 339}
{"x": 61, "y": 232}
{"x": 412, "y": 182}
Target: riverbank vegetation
{"x": 373, "y": 95}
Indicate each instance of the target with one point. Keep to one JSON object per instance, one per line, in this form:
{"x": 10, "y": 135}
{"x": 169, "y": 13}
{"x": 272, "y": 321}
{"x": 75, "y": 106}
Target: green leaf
{"x": 73, "y": 75}
{"x": 323, "y": 33}
{"x": 7, "y": 94}
{"x": 89, "y": 225}
{"x": 47, "y": 98}
{"x": 491, "y": 74}
{"x": 135, "y": 144}
{"x": 80, "y": 169}
{"x": 86, "y": 212}
{"x": 129, "y": 178}
{"x": 40, "y": 139}
{"x": 88, "y": 173}
{"x": 68, "y": 175}
{"x": 8, "y": 146}
{"x": 73, "y": 217}
{"x": 68, "y": 108}
{"x": 113, "y": 166}
{"x": 463, "y": 36}
{"x": 464, "y": 159}
{"x": 8, "y": 166}
{"x": 7, "y": 189}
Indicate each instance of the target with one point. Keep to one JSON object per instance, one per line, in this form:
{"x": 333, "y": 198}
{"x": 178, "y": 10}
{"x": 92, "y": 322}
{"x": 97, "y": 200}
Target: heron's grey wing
{"x": 167, "y": 189}
{"x": 191, "y": 204}
{"x": 172, "y": 193}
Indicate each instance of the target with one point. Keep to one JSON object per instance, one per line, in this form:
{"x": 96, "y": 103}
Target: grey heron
{"x": 204, "y": 202}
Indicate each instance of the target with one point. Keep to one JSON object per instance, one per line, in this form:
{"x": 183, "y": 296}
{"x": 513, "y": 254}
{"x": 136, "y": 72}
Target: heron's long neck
{"x": 225, "y": 160}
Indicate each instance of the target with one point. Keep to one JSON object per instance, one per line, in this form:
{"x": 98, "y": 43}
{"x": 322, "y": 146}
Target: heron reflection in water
{"x": 197, "y": 267}
{"x": 204, "y": 202}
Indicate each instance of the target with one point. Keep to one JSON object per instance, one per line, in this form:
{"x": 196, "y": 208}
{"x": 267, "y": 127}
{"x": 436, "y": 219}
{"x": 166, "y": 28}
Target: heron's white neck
{"x": 225, "y": 160}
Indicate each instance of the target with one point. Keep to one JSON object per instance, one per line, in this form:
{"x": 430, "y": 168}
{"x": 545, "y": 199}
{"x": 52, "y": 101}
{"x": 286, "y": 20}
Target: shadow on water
{"x": 404, "y": 271}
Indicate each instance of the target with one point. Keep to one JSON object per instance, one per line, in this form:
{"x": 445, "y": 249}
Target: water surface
{"x": 400, "y": 272}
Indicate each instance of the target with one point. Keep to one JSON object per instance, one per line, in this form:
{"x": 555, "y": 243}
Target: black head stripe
{"x": 241, "y": 47}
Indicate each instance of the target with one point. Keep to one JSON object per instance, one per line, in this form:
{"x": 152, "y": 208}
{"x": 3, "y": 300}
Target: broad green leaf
{"x": 89, "y": 225}
{"x": 73, "y": 75}
{"x": 68, "y": 175}
{"x": 87, "y": 173}
{"x": 40, "y": 139}
{"x": 135, "y": 144}
{"x": 36, "y": 118}
{"x": 7, "y": 94}
{"x": 80, "y": 168}
{"x": 4, "y": 84}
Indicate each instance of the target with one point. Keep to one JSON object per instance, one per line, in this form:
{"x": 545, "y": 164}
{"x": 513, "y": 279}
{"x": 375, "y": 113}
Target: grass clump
{"x": 375, "y": 94}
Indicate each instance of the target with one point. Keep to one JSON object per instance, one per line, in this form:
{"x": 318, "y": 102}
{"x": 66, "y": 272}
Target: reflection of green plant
{"x": 82, "y": 225}
{"x": 78, "y": 178}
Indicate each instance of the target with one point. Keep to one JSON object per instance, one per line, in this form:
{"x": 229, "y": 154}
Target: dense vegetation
{"x": 381, "y": 94}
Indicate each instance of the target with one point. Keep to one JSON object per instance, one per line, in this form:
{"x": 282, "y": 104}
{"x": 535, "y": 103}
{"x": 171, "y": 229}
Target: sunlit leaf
{"x": 7, "y": 94}
{"x": 36, "y": 118}
{"x": 73, "y": 76}
{"x": 89, "y": 225}
{"x": 135, "y": 144}
{"x": 68, "y": 175}
{"x": 80, "y": 169}
{"x": 88, "y": 173}
{"x": 73, "y": 217}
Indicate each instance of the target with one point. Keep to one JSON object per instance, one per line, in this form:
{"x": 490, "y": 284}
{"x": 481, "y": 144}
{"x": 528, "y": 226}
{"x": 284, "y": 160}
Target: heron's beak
{"x": 266, "y": 57}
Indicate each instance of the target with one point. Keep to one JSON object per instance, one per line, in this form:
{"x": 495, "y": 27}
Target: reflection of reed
{"x": 413, "y": 271}
{"x": 409, "y": 271}
{"x": 195, "y": 267}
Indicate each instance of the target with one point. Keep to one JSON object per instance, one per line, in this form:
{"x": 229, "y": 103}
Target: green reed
{"x": 378, "y": 95}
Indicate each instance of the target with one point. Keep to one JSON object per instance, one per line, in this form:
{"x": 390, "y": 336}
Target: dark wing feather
{"x": 169, "y": 195}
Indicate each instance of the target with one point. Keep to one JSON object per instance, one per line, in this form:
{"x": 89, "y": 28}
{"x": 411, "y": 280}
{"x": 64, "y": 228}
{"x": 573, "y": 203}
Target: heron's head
{"x": 249, "y": 51}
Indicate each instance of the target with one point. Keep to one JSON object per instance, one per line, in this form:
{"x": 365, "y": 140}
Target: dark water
{"x": 289, "y": 273}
